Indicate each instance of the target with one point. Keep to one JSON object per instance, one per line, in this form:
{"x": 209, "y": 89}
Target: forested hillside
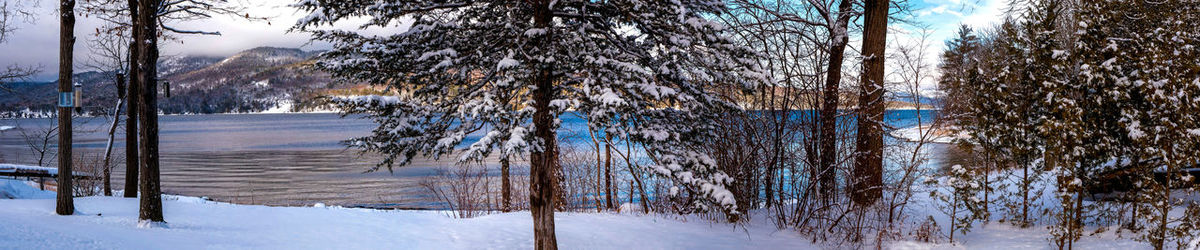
{"x": 250, "y": 81}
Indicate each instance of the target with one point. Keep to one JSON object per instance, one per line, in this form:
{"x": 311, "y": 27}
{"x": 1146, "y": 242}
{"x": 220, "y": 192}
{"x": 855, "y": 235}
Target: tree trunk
{"x": 608, "y": 190}
{"x": 1024, "y": 194}
{"x": 636, "y": 177}
{"x": 827, "y": 176}
{"x": 66, "y": 46}
{"x": 599, "y": 169}
{"x": 631, "y": 194}
{"x": 131, "y": 107}
{"x": 150, "y": 208}
{"x": 112, "y": 134}
{"x": 543, "y": 159}
{"x": 987, "y": 186}
{"x": 953, "y": 217}
{"x": 868, "y": 160}
{"x": 505, "y": 186}
{"x": 1077, "y": 221}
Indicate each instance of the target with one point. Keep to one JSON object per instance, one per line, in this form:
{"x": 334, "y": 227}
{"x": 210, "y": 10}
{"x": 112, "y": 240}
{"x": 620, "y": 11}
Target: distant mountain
{"x": 250, "y": 81}
{"x": 912, "y": 100}
{"x": 174, "y": 65}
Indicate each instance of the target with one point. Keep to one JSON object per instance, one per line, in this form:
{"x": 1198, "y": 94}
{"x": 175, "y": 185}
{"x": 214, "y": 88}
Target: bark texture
{"x": 150, "y": 201}
{"x": 66, "y": 46}
{"x": 827, "y": 176}
{"x": 505, "y": 186}
{"x": 868, "y": 161}
{"x": 131, "y": 107}
{"x": 544, "y": 159}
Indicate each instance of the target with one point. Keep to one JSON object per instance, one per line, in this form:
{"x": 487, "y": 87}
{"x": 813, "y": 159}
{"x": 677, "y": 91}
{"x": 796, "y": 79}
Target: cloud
{"x": 36, "y": 43}
{"x": 942, "y": 18}
{"x": 940, "y": 9}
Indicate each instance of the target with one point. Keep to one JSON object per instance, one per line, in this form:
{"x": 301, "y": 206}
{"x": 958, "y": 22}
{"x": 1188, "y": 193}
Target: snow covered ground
{"x": 1001, "y": 236}
{"x": 937, "y": 135}
{"x": 19, "y": 189}
{"x": 194, "y": 223}
{"x": 111, "y": 223}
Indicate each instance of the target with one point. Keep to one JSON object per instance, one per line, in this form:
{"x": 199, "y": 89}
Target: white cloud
{"x": 37, "y": 43}
{"x": 943, "y": 17}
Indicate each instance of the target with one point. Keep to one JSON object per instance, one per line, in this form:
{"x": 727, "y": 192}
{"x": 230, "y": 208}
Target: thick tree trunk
{"x": 150, "y": 208}
{"x": 868, "y": 160}
{"x": 505, "y": 186}
{"x": 827, "y": 178}
{"x": 131, "y": 108}
{"x": 66, "y": 46}
{"x": 543, "y": 162}
{"x": 608, "y": 190}
{"x": 544, "y": 159}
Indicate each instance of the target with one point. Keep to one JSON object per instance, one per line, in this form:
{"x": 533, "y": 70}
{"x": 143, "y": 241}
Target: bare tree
{"x": 148, "y": 21}
{"x": 39, "y": 142}
{"x": 823, "y": 31}
{"x": 109, "y": 55}
{"x": 463, "y": 187}
{"x": 11, "y": 13}
{"x": 912, "y": 69}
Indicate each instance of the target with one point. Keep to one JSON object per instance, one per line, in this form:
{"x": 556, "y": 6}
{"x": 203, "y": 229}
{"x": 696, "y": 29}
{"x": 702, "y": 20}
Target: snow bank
{"x": 1003, "y": 236}
{"x": 281, "y": 107}
{"x": 198, "y": 223}
{"x": 13, "y": 168}
{"x": 935, "y": 134}
{"x": 193, "y": 223}
{"x": 20, "y": 189}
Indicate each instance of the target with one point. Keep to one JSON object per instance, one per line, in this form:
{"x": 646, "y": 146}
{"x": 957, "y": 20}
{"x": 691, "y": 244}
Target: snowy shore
{"x": 931, "y": 134}
{"x": 195, "y": 223}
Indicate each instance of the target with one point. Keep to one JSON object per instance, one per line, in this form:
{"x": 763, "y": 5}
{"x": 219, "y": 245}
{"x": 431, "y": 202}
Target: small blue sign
{"x": 66, "y": 99}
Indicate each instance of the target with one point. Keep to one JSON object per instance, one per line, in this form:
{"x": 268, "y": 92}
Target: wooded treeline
{"x": 1095, "y": 106}
{"x": 692, "y": 106}
{"x": 733, "y": 109}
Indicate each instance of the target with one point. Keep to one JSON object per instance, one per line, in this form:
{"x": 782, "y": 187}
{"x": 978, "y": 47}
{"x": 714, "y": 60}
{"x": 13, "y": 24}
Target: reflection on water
{"x": 291, "y": 178}
{"x": 272, "y": 159}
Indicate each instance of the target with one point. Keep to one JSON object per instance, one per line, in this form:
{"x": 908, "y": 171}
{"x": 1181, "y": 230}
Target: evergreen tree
{"x": 961, "y": 200}
{"x": 959, "y": 72}
{"x": 1011, "y": 115}
{"x": 960, "y": 82}
{"x": 644, "y": 67}
{"x": 1149, "y": 62}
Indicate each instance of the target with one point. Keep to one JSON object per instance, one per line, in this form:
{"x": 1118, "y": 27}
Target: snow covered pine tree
{"x": 1149, "y": 62}
{"x": 508, "y": 69}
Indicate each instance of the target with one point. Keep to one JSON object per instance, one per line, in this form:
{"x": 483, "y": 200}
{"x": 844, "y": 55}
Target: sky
{"x": 36, "y": 42}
